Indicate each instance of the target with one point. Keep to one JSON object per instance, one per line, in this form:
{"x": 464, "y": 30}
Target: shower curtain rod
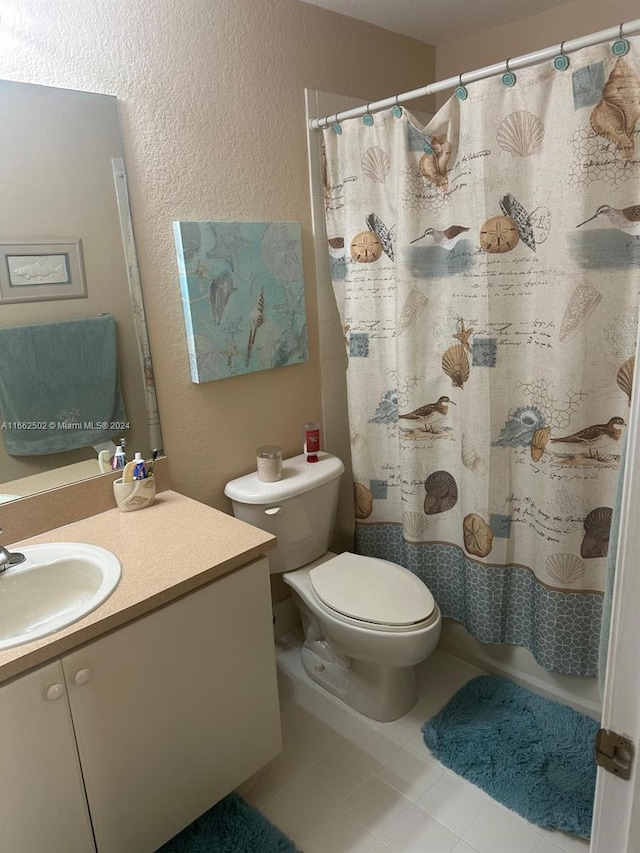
{"x": 628, "y": 29}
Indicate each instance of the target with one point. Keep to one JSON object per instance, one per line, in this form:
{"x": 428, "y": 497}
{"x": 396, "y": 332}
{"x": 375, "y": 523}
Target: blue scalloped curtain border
{"x": 498, "y": 604}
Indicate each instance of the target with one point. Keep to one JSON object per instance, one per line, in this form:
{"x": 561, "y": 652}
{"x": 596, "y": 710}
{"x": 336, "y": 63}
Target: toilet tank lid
{"x": 372, "y": 590}
{"x": 298, "y": 476}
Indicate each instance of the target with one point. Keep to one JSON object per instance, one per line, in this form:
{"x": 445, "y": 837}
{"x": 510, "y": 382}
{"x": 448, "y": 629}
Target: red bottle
{"x": 312, "y": 441}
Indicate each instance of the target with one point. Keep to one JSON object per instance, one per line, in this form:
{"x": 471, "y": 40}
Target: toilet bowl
{"x": 367, "y": 622}
{"x": 364, "y": 649}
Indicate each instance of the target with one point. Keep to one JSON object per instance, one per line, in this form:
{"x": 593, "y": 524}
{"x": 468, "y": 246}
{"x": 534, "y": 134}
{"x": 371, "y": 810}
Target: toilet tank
{"x": 300, "y": 509}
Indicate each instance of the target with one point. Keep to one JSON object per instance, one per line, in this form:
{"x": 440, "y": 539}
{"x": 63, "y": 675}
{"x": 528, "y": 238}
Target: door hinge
{"x": 614, "y": 753}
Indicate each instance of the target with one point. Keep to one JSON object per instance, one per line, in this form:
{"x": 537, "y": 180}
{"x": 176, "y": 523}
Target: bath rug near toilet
{"x": 532, "y": 755}
{"x": 231, "y": 826}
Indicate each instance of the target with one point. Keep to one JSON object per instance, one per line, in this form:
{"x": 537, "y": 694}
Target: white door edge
{"x": 616, "y": 824}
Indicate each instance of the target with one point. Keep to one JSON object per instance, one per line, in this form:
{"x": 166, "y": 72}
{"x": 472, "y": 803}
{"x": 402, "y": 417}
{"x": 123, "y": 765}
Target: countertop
{"x": 166, "y": 550}
{"x": 53, "y": 479}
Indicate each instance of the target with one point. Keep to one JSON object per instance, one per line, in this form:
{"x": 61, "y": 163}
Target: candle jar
{"x": 269, "y": 463}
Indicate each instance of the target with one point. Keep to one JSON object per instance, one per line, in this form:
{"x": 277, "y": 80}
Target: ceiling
{"x": 437, "y": 21}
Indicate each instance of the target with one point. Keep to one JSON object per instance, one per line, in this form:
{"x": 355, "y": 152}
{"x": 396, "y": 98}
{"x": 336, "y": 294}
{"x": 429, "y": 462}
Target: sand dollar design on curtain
{"x": 486, "y": 271}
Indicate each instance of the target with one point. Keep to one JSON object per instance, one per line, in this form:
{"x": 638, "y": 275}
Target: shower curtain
{"x": 486, "y": 269}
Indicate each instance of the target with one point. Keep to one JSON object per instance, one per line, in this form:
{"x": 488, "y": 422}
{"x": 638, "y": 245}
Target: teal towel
{"x": 59, "y": 386}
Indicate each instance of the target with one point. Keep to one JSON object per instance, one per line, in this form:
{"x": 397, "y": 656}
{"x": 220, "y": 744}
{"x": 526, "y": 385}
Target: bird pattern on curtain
{"x": 487, "y": 273}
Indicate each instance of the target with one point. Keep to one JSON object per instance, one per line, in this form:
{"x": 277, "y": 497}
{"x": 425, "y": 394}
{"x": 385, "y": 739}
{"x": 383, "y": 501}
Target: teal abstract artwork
{"x": 242, "y": 295}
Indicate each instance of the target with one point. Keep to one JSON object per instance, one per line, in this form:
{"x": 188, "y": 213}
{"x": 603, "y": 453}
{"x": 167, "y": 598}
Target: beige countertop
{"x": 165, "y": 551}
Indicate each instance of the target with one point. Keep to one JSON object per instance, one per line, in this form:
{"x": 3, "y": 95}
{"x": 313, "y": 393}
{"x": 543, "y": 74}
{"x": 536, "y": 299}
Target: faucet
{"x": 5, "y": 559}
{"x": 10, "y": 558}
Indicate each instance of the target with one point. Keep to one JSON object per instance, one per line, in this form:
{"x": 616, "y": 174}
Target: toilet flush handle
{"x": 273, "y": 510}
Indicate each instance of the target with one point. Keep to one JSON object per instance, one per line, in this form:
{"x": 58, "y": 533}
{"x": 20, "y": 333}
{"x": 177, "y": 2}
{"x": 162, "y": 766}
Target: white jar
{"x": 269, "y": 463}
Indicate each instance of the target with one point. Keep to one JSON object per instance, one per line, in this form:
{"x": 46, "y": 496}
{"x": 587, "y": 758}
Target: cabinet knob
{"x": 82, "y": 676}
{"x": 53, "y": 692}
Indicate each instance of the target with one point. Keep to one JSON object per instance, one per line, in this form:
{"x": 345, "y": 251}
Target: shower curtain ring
{"x": 396, "y": 111}
{"x": 367, "y": 118}
{"x": 620, "y": 45}
{"x": 461, "y": 92}
{"x": 508, "y": 78}
{"x": 337, "y": 129}
{"x": 561, "y": 62}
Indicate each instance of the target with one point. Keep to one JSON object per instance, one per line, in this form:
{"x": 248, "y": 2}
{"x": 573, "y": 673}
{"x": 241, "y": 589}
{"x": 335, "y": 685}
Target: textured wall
{"x": 212, "y": 109}
{"x": 567, "y": 21}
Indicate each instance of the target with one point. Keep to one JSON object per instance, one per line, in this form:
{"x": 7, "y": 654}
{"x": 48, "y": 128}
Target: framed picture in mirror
{"x": 38, "y": 272}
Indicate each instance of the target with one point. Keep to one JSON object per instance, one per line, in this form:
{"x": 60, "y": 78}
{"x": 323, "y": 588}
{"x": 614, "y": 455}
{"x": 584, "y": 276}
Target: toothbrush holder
{"x": 139, "y": 494}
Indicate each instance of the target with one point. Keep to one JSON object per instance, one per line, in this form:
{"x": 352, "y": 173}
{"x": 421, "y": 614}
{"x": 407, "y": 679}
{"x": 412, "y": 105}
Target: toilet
{"x": 367, "y": 622}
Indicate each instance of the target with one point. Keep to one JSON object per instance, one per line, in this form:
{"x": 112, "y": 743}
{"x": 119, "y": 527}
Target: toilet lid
{"x": 372, "y": 590}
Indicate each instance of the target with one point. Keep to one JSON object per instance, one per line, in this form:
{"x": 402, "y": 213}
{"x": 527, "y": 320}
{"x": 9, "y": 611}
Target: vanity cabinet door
{"x": 173, "y": 711}
{"x": 42, "y": 799}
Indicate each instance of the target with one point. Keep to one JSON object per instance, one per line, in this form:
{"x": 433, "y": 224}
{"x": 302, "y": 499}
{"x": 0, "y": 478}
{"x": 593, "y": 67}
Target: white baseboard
{"x": 286, "y": 617}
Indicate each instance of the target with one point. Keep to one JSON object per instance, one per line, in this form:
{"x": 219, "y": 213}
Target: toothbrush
{"x": 154, "y": 456}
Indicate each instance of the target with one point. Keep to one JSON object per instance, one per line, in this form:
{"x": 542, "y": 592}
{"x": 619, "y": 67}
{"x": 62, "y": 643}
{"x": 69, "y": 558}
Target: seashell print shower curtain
{"x": 487, "y": 274}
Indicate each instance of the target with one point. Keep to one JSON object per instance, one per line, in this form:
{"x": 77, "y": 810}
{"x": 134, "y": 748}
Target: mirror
{"x": 67, "y": 254}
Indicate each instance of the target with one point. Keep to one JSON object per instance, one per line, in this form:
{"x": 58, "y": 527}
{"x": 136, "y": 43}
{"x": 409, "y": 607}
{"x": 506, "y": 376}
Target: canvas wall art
{"x": 243, "y": 296}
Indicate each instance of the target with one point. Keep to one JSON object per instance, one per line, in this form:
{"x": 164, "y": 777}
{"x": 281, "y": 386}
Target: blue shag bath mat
{"x": 532, "y": 755}
{"x": 231, "y": 826}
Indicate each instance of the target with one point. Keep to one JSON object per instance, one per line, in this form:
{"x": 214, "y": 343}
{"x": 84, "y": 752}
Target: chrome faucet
{"x": 9, "y": 558}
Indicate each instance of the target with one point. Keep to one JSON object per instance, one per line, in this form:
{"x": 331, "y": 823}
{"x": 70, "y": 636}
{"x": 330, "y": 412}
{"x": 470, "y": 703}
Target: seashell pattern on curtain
{"x": 489, "y": 298}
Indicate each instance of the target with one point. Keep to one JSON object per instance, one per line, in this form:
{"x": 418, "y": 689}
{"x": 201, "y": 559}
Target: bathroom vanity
{"x": 119, "y": 730}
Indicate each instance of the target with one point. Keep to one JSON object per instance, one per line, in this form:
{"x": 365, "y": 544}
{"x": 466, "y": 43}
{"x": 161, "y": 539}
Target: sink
{"x": 59, "y": 583}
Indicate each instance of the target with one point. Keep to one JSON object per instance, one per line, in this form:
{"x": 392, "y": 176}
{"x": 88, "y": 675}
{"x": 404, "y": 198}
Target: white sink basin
{"x": 59, "y": 583}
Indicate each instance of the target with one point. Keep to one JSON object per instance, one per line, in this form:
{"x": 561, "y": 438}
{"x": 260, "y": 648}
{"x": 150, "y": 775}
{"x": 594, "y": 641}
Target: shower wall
{"x": 512, "y": 662}
{"x": 333, "y": 360}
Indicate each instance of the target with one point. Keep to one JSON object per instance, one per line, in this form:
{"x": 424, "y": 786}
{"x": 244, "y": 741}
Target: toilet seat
{"x": 372, "y": 593}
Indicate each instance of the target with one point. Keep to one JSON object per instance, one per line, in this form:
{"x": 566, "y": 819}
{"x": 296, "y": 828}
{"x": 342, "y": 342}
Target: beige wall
{"x": 56, "y": 181}
{"x": 565, "y": 22}
{"x": 212, "y": 107}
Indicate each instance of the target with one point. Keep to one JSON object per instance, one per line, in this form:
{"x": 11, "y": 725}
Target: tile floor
{"x": 346, "y": 784}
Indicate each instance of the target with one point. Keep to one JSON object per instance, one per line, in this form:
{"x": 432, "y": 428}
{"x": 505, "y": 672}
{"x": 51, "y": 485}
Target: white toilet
{"x": 367, "y": 622}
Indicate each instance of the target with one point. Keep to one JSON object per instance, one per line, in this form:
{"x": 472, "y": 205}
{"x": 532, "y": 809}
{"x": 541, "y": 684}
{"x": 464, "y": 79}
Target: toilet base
{"x": 380, "y": 693}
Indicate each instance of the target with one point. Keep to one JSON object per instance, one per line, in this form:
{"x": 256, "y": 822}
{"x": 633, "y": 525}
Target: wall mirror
{"x": 67, "y": 254}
